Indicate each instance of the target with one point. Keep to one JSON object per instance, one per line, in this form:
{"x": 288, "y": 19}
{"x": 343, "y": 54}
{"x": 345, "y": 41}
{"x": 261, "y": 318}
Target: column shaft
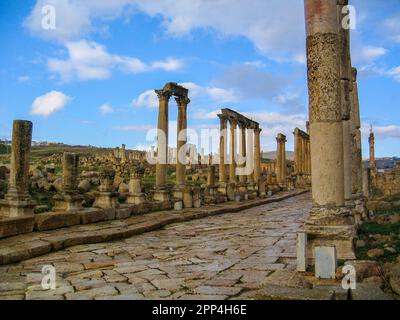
{"x": 257, "y": 155}
{"x": 222, "y": 149}
{"x": 232, "y": 165}
{"x": 181, "y": 140}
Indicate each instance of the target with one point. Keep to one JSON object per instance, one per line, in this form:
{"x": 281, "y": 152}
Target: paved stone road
{"x": 217, "y": 257}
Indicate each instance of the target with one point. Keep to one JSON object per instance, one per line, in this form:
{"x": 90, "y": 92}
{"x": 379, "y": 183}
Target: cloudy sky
{"x": 91, "y": 79}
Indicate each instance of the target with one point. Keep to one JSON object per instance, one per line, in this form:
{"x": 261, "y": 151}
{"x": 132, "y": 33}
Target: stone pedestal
{"x": 161, "y": 195}
{"x": 68, "y": 202}
{"x": 135, "y": 196}
{"x": 106, "y": 198}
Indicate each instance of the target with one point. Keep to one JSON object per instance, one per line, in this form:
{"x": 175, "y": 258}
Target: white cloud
{"x": 133, "y": 128}
{"x": 369, "y": 53}
{"x": 381, "y": 132}
{"x": 148, "y": 99}
{"x": 392, "y": 25}
{"x": 106, "y": 109}
{"x": 371, "y": 70}
{"x": 259, "y": 21}
{"x": 24, "y": 78}
{"x": 49, "y": 103}
{"x": 90, "y": 60}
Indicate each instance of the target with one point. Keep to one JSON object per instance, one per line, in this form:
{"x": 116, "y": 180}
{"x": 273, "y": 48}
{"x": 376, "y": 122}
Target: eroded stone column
{"x": 232, "y": 154}
{"x": 372, "y": 163}
{"x": 242, "y": 153}
{"x": 257, "y": 155}
{"x": 329, "y": 222}
{"x": 18, "y": 202}
{"x": 297, "y": 145}
{"x": 281, "y": 159}
{"x": 357, "y": 166}
{"x": 161, "y": 194}
{"x": 222, "y": 149}
{"x": 181, "y": 140}
{"x": 69, "y": 199}
{"x": 123, "y": 153}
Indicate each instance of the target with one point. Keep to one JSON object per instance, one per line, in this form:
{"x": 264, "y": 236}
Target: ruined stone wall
{"x": 388, "y": 184}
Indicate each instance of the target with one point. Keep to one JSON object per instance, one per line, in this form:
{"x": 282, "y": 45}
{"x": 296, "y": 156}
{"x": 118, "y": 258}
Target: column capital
{"x": 163, "y": 95}
{"x": 257, "y": 130}
{"x": 182, "y": 101}
{"x": 281, "y": 138}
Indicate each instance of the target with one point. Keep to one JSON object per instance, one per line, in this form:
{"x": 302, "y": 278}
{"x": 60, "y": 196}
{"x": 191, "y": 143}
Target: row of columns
{"x": 302, "y": 152}
{"x": 249, "y": 151}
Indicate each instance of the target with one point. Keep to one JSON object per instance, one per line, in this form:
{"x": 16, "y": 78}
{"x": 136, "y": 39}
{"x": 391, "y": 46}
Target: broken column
{"x": 18, "y": 202}
{"x": 210, "y": 196}
{"x": 136, "y": 196}
{"x": 106, "y": 198}
{"x": 69, "y": 199}
{"x": 161, "y": 194}
{"x": 329, "y": 223}
{"x": 281, "y": 159}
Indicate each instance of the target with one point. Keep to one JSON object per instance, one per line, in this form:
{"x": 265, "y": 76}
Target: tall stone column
{"x": 250, "y": 163}
{"x": 281, "y": 159}
{"x": 181, "y": 139}
{"x": 222, "y": 149}
{"x": 123, "y": 153}
{"x": 329, "y": 222}
{"x": 162, "y": 195}
{"x": 308, "y": 156}
{"x": 372, "y": 163}
{"x": 242, "y": 153}
{"x": 232, "y": 165}
{"x": 345, "y": 86}
{"x": 303, "y": 155}
{"x": 357, "y": 166}
{"x": 257, "y": 155}
{"x": 297, "y": 145}
{"x": 162, "y": 140}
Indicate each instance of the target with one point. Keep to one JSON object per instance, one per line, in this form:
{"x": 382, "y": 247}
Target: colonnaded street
{"x": 218, "y": 257}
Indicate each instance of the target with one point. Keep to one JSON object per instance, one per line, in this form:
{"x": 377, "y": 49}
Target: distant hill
{"x": 272, "y": 155}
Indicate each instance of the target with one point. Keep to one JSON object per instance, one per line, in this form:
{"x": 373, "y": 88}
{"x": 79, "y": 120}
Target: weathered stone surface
{"x": 375, "y": 253}
{"x": 55, "y": 220}
{"x": 13, "y": 226}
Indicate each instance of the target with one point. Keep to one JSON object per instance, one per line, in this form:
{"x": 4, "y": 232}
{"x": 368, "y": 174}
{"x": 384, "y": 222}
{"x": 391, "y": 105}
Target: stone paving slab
{"x": 26, "y": 246}
{"x": 216, "y": 257}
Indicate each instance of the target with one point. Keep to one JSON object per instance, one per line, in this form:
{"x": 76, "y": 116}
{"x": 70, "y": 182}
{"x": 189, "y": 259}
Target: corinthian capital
{"x": 163, "y": 95}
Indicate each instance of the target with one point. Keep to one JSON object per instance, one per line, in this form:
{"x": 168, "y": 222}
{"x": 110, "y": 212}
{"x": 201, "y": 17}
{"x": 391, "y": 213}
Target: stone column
{"x": 257, "y": 155}
{"x": 18, "y": 202}
{"x": 366, "y": 179}
{"x": 329, "y": 223}
{"x": 297, "y": 145}
{"x": 106, "y": 198}
{"x": 123, "y": 154}
{"x": 161, "y": 194}
{"x": 162, "y": 141}
{"x": 372, "y": 164}
{"x": 69, "y": 199}
{"x": 181, "y": 140}
{"x": 222, "y": 149}
{"x": 232, "y": 165}
{"x": 303, "y": 155}
{"x": 281, "y": 159}
{"x": 345, "y": 83}
{"x": 242, "y": 152}
{"x": 357, "y": 166}
{"x": 308, "y": 157}
{"x": 136, "y": 196}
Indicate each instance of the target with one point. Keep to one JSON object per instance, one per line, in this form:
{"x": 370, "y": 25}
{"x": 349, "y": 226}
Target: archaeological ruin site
{"x": 316, "y": 222}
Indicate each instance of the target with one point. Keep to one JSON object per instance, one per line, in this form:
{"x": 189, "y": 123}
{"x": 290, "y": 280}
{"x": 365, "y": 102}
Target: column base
{"x": 161, "y": 196}
{"x": 222, "y": 188}
{"x": 136, "y": 198}
{"x": 106, "y": 200}
{"x": 12, "y": 208}
{"x": 66, "y": 202}
{"x": 262, "y": 189}
{"x": 331, "y": 227}
{"x": 231, "y": 191}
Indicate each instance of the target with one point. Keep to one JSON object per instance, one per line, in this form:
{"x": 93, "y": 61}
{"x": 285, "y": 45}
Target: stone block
{"x": 92, "y": 215}
{"x": 301, "y": 251}
{"x": 325, "y": 262}
{"x": 56, "y": 220}
{"x": 178, "y": 206}
{"x": 13, "y": 226}
{"x": 123, "y": 213}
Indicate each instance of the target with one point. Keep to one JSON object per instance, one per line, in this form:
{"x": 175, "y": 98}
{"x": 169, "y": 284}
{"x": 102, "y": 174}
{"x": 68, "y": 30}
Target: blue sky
{"x": 90, "y": 80}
